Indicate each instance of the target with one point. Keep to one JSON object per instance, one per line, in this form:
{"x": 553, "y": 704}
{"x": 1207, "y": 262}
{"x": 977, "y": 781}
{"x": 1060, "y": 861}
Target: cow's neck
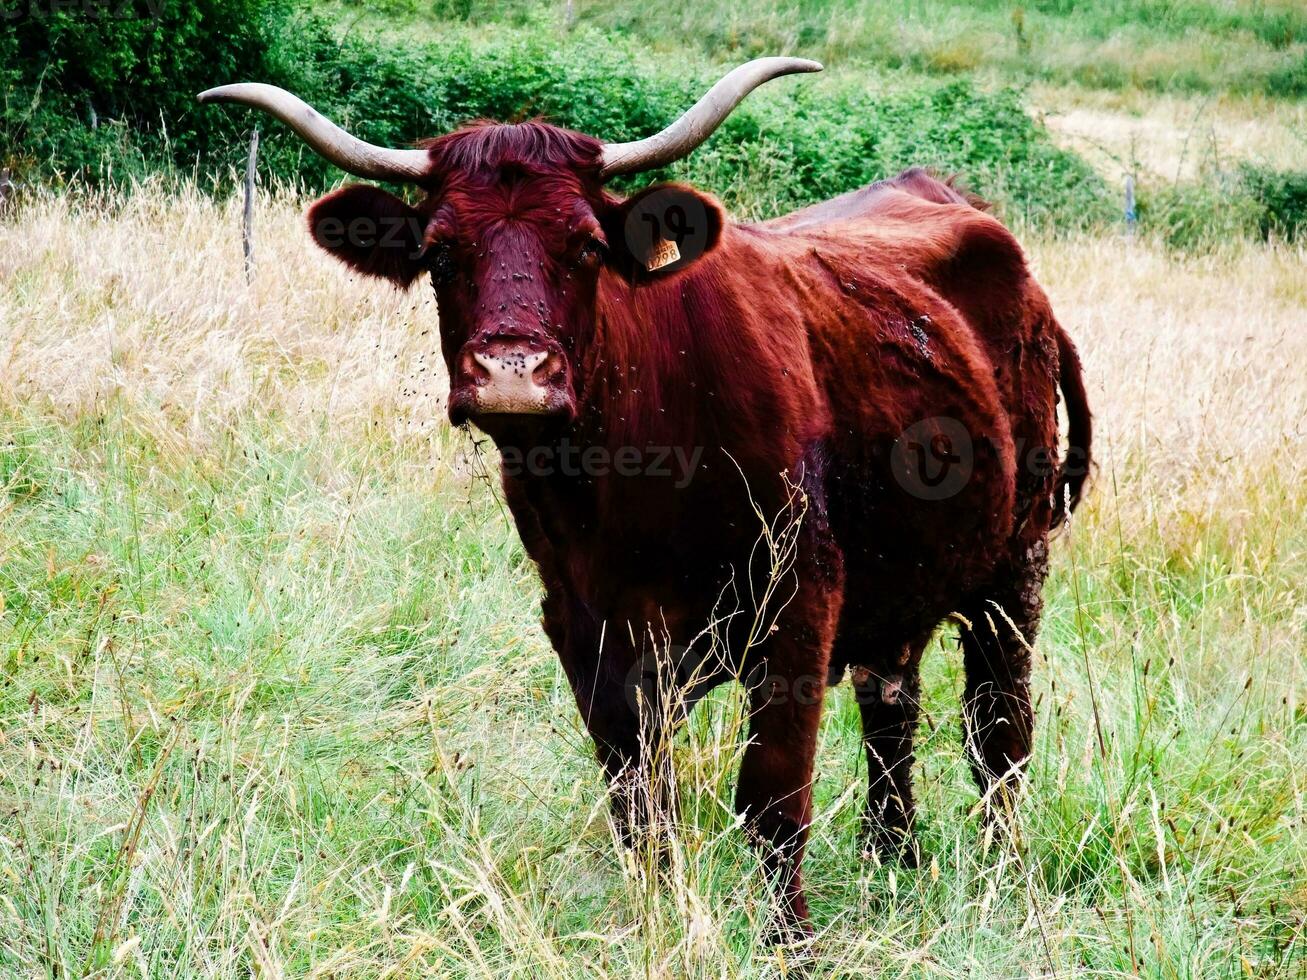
{"x": 693, "y": 374}
{"x": 686, "y": 374}
{"x": 665, "y": 364}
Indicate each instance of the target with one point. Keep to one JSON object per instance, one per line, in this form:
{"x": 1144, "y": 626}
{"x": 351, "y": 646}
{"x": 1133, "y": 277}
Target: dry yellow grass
{"x": 1173, "y": 137}
{"x": 147, "y": 295}
{"x": 1195, "y": 360}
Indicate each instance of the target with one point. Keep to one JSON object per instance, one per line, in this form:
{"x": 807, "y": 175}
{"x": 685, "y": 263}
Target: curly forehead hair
{"x": 532, "y": 146}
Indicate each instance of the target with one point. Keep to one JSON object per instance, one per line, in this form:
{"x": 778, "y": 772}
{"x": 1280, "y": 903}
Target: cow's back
{"x": 926, "y": 227}
{"x": 921, "y": 226}
{"x": 875, "y": 198}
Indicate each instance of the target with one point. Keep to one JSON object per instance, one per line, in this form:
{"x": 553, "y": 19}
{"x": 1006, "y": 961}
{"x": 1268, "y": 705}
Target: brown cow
{"x": 880, "y": 371}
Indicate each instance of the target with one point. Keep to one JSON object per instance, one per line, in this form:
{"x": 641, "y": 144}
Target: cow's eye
{"x": 591, "y": 252}
{"x": 440, "y": 260}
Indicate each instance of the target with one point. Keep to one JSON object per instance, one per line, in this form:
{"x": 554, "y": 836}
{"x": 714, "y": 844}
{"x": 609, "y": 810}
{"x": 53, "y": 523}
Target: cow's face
{"x": 518, "y": 236}
{"x": 515, "y": 233}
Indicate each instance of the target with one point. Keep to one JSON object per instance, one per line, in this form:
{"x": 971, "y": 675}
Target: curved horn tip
{"x": 698, "y": 122}
{"x": 329, "y": 141}
{"x": 219, "y": 94}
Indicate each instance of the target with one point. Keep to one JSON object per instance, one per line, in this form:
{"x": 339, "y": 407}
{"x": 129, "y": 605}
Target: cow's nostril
{"x": 498, "y": 378}
{"x": 474, "y": 368}
{"x": 550, "y": 367}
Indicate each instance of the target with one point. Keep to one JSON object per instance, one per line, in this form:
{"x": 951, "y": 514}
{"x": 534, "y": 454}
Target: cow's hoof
{"x": 790, "y": 925}
{"x": 790, "y": 935}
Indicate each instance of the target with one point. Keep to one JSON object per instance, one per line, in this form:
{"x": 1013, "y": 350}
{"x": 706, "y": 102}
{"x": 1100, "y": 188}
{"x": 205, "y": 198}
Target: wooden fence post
{"x": 247, "y": 230}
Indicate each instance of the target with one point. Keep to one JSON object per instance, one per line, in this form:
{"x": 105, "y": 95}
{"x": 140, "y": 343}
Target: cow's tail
{"x": 1075, "y": 466}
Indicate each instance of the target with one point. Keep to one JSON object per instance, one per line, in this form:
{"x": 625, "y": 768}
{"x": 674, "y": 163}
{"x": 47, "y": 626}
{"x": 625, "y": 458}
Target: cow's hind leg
{"x": 888, "y": 696}
{"x": 997, "y": 642}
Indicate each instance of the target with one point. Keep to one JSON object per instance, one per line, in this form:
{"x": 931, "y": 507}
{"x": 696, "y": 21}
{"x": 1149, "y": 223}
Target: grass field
{"x": 274, "y": 700}
{"x": 1169, "y": 138}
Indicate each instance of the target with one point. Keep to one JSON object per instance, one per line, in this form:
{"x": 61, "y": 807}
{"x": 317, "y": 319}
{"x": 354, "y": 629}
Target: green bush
{"x": 1252, "y": 202}
{"x": 852, "y": 136}
{"x": 1197, "y": 217}
{"x": 792, "y": 143}
{"x": 1281, "y": 196}
{"x": 112, "y": 83}
{"x": 1289, "y": 81}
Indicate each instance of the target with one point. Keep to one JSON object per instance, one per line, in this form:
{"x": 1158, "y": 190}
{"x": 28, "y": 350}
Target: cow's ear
{"x": 371, "y": 231}
{"x": 661, "y": 230}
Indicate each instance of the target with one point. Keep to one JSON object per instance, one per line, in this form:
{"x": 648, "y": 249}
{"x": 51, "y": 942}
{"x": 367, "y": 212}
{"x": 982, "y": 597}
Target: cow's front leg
{"x": 786, "y": 691}
{"x": 620, "y": 714}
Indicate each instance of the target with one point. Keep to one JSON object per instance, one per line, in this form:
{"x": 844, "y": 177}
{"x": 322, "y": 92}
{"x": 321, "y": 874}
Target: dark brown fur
{"x": 794, "y": 353}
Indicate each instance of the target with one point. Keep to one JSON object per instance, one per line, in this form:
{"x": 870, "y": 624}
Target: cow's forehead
{"x": 551, "y": 201}
{"x": 511, "y": 182}
{"x": 530, "y": 173}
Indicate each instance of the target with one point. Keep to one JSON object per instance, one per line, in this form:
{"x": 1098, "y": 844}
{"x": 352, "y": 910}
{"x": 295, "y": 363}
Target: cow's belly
{"x": 919, "y": 532}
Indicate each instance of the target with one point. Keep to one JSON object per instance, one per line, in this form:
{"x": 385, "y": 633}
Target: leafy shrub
{"x": 1252, "y": 202}
{"x": 1282, "y": 198}
{"x": 1199, "y": 216}
{"x": 792, "y": 143}
{"x": 114, "y": 81}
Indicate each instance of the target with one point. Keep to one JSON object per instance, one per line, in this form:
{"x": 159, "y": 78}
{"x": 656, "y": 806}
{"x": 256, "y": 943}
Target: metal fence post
{"x": 247, "y": 229}
{"x": 1131, "y": 215}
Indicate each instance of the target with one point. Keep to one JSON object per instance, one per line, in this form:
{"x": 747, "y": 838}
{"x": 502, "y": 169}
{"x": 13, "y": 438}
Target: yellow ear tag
{"x": 663, "y": 253}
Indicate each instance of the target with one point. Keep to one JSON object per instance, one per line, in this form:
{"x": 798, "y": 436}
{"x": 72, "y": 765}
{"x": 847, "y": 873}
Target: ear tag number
{"x": 663, "y": 252}
{"x": 667, "y": 227}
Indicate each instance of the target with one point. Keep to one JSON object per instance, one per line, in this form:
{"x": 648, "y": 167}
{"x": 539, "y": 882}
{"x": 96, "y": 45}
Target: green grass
{"x": 275, "y": 703}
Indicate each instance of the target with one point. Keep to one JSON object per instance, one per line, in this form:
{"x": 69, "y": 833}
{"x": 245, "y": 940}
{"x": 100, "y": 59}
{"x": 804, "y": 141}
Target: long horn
{"x": 324, "y": 136}
{"x": 681, "y": 137}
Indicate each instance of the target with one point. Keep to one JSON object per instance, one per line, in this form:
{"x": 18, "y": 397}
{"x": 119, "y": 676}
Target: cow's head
{"x": 515, "y": 229}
